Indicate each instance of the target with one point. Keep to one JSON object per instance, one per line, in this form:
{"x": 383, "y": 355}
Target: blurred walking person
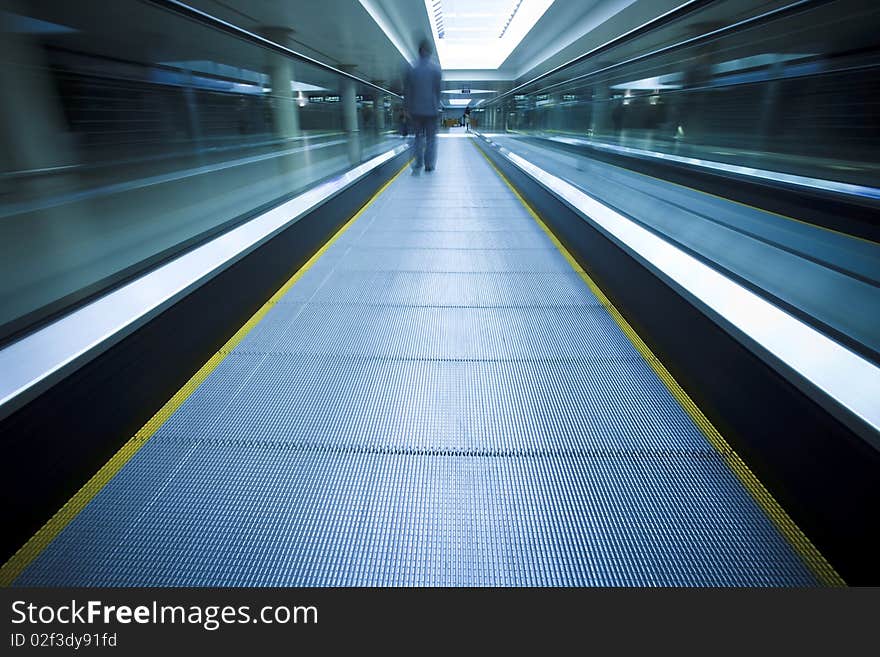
{"x": 422, "y": 99}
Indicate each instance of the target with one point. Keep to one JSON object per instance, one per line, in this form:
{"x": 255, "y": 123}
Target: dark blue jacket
{"x": 422, "y": 88}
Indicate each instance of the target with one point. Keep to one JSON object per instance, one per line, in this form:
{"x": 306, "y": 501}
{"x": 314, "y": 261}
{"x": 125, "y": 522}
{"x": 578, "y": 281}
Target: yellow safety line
{"x": 808, "y": 552}
{"x": 47, "y": 533}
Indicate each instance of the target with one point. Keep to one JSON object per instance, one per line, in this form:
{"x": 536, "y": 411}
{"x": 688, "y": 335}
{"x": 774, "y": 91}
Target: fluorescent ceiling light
{"x": 755, "y": 61}
{"x": 470, "y": 92}
{"x": 481, "y": 34}
{"x": 302, "y": 86}
{"x": 463, "y": 102}
{"x": 219, "y": 69}
{"x": 670, "y": 81}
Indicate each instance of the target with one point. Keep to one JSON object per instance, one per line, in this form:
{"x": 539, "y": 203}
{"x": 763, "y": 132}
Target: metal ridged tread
{"x": 439, "y": 400}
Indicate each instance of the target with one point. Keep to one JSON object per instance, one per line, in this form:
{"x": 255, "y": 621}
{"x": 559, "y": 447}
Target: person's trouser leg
{"x": 419, "y": 143}
{"x": 430, "y": 142}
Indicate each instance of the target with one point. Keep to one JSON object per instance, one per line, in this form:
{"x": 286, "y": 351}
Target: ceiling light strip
{"x": 510, "y": 19}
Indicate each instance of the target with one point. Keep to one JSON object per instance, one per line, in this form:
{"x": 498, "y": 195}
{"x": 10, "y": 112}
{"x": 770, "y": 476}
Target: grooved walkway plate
{"x": 439, "y": 401}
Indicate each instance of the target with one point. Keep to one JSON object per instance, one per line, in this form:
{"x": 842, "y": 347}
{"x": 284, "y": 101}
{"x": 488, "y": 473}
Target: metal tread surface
{"x": 434, "y": 403}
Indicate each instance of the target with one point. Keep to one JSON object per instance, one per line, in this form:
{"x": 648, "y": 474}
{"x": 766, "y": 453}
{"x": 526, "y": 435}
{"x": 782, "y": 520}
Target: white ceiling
{"x": 345, "y": 32}
{"x": 480, "y": 34}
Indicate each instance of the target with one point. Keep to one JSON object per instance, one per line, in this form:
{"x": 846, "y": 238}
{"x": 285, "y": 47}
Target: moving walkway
{"x": 441, "y": 396}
